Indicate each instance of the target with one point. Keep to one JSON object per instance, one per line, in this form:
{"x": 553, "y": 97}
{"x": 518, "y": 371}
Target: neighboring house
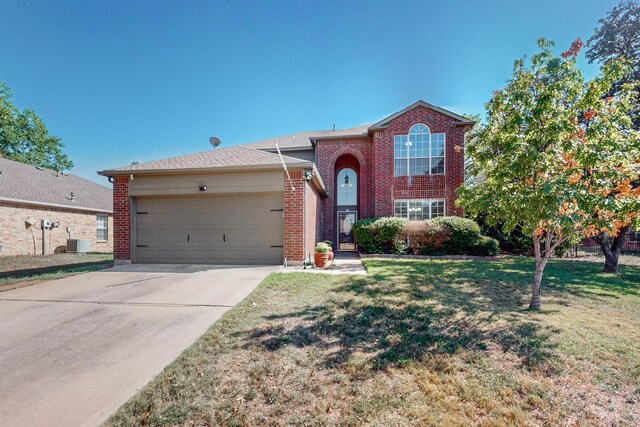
{"x": 631, "y": 243}
{"x": 237, "y": 206}
{"x": 76, "y": 208}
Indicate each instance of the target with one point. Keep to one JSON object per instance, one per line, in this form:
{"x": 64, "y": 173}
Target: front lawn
{"x": 433, "y": 342}
{"x": 18, "y": 271}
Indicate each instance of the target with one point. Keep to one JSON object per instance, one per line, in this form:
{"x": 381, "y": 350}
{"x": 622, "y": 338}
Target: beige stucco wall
{"x": 217, "y": 183}
{"x": 20, "y": 239}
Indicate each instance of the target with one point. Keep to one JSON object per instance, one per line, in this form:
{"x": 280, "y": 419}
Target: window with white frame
{"x": 102, "y": 227}
{"x": 420, "y": 152}
{"x": 634, "y": 235}
{"x": 419, "y": 209}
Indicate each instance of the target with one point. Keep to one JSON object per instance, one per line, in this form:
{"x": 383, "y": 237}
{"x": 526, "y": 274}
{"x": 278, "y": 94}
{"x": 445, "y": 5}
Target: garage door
{"x": 209, "y": 230}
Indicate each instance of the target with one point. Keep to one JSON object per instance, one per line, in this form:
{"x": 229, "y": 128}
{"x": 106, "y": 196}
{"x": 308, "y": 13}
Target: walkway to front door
{"x": 343, "y": 263}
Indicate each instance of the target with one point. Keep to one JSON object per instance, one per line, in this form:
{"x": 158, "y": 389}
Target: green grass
{"x": 434, "y": 342}
{"x": 20, "y": 270}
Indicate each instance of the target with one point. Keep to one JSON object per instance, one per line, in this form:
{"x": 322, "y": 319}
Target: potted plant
{"x": 330, "y": 246}
{"x": 321, "y": 255}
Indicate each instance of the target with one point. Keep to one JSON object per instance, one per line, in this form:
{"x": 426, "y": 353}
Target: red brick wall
{"x": 293, "y": 205}
{"x": 387, "y": 187}
{"x": 121, "y": 219}
{"x": 313, "y": 220}
{"x": 377, "y": 186}
{"x": 344, "y": 151}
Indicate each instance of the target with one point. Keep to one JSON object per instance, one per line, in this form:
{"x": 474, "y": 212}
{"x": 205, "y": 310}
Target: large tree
{"x": 24, "y": 137}
{"x": 549, "y": 152}
{"x": 617, "y": 38}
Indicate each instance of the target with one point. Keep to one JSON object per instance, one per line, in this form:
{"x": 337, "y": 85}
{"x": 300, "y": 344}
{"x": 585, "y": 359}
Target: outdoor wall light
{"x": 346, "y": 181}
{"x": 202, "y": 186}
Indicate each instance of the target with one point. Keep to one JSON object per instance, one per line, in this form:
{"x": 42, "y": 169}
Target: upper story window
{"x": 347, "y": 186}
{"x": 420, "y": 152}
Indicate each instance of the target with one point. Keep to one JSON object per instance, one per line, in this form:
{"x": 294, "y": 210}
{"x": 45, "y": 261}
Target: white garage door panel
{"x": 205, "y": 230}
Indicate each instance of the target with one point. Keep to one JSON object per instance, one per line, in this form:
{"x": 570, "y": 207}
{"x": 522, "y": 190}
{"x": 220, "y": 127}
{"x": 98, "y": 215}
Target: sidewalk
{"x": 343, "y": 263}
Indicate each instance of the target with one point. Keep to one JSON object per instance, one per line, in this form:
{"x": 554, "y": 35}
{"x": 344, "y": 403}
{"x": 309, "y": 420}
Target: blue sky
{"x": 120, "y": 81}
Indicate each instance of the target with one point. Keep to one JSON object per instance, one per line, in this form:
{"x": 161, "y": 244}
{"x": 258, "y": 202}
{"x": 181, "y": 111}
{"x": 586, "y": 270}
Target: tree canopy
{"x": 25, "y": 138}
{"x": 617, "y": 38}
{"x": 553, "y": 148}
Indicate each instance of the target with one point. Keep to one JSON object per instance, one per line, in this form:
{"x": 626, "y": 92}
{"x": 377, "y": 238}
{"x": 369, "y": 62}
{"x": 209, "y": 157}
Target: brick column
{"x": 121, "y": 220}
{"x": 383, "y": 181}
{"x": 293, "y": 204}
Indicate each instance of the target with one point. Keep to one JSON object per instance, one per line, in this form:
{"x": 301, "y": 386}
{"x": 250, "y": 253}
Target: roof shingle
{"x": 302, "y": 140}
{"x": 229, "y": 157}
{"x": 27, "y": 183}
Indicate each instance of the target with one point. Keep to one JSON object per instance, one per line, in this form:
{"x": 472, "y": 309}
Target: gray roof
{"x": 260, "y": 154}
{"x": 23, "y": 183}
{"x": 234, "y": 157}
{"x": 302, "y": 140}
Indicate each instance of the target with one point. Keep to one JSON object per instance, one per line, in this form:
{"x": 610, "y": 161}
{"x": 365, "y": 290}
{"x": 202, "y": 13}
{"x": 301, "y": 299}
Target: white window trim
{"x": 106, "y": 227}
{"x": 444, "y": 171}
{"x": 443, "y": 200}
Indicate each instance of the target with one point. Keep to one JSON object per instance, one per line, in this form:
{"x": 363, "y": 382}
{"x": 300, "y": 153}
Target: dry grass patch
{"x": 415, "y": 343}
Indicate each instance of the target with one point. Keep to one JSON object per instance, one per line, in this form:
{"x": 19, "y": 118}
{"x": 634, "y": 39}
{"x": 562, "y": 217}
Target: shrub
{"x": 514, "y": 242}
{"x": 463, "y": 234}
{"x": 321, "y": 248}
{"x": 486, "y": 246}
{"x": 328, "y": 243}
{"x": 424, "y": 237}
{"x": 380, "y": 235}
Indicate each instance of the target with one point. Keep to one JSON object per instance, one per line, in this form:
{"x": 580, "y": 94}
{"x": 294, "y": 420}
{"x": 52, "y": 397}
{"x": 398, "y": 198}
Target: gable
{"x": 458, "y": 119}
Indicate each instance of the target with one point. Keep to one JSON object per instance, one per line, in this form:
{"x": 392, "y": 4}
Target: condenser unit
{"x": 79, "y": 245}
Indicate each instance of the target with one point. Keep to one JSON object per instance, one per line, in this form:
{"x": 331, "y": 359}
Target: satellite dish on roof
{"x": 214, "y": 142}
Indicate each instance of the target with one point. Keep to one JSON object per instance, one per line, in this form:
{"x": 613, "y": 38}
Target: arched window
{"x": 419, "y": 152}
{"x": 347, "y": 187}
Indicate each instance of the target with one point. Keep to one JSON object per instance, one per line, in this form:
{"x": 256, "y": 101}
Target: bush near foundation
{"x": 440, "y": 236}
{"x": 380, "y": 235}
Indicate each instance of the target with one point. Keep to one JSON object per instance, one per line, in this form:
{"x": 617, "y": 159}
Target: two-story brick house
{"x": 238, "y": 205}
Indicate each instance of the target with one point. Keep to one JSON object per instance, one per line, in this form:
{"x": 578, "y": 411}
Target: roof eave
{"x": 54, "y": 205}
{"x": 275, "y": 150}
{"x": 383, "y": 124}
{"x": 329, "y": 137}
{"x": 274, "y": 166}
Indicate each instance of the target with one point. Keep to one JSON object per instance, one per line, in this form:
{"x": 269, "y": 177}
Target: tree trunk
{"x": 535, "y": 290}
{"x": 611, "y": 248}
{"x": 537, "y": 277}
{"x": 542, "y": 257}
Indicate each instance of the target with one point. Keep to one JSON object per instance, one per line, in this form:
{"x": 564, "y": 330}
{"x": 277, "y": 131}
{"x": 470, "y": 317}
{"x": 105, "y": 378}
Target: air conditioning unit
{"x": 79, "y": 245}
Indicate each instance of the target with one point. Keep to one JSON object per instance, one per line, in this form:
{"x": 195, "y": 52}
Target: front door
{"x": 346, "y": 219}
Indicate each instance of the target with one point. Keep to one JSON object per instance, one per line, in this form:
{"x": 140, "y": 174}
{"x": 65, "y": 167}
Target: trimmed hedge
{"x": 380, "y": 235}
{"x": 463, "y": 234}
{"x": 441, "y": 236}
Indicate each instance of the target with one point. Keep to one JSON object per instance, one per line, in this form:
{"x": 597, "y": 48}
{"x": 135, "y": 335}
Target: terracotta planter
{"x": 320, "y": 260}
{"x": 330, "y": 253}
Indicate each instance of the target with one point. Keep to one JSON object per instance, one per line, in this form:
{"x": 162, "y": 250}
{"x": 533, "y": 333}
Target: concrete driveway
{"x": 73, "y": 350}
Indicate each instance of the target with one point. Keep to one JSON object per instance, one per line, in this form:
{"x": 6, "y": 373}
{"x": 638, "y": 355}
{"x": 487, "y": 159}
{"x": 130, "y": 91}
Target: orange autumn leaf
{"x": 574, "y": 177}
